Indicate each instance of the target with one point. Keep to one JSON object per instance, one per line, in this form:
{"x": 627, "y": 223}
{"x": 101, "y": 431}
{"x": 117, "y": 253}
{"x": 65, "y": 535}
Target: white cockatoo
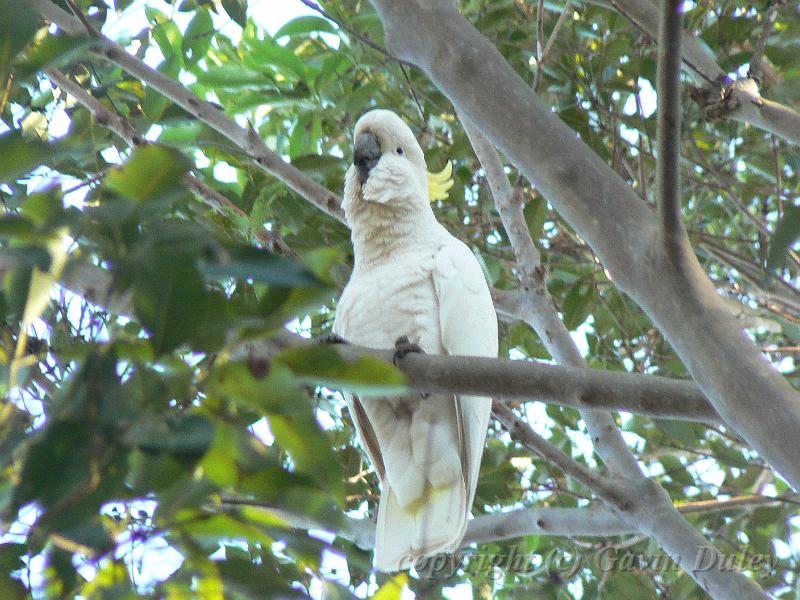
{"x": 412, "y": 278}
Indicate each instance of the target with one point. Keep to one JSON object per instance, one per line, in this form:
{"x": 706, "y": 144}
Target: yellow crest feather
{"x": 439, "y": 183}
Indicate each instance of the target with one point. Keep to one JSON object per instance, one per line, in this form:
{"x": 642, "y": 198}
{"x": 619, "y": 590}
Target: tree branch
{"x": 592, "y": 521}
{"x": 537, "y": 79}
{"x": 644, "y": 15}
{"x": 644, "y": 504}
{"x": 509, "y": 380}
{"x": 668, "y": 178}
{"x": 523, "y": 433}
{"x": 771, "y": 116}
{"x": 553, "y": 34}
{"x": 517, "y": 380}
{"x": 761, "y": 45}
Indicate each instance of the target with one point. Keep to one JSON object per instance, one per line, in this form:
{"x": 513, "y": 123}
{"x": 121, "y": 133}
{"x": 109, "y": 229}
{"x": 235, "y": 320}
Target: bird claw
{"x": 402, "y": 347}
{"x": 331, "y": 338}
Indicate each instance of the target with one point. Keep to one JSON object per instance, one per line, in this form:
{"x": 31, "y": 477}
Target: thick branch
{"x": 514, "y": 380}
{"x": 636, "y": 508}
{"x": 771, "y": 116}
{"x": 668, "y": 179}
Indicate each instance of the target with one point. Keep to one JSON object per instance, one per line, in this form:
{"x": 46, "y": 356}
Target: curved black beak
{"x": 366, "y": 154}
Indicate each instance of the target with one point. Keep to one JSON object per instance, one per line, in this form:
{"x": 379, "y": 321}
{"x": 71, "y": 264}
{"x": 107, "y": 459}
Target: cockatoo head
{"x": 388, "y": 164}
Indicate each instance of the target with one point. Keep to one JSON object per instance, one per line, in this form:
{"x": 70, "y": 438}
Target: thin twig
{"x": 527, "y": 437}
{"x": 756, "y": 59}
{"x": 669, "y": 126}
{"x": 778, "y": 173}
{"x": 356, "y": 34}
{"x": 83, "y": 19}
{"x": 413, "y": 94}
{"x": 6, "y": 92}
{"x": 561, "y": 19}
{"x": 537, "y": 79}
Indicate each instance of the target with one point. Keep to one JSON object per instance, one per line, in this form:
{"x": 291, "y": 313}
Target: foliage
{"x": 128, "y": 429}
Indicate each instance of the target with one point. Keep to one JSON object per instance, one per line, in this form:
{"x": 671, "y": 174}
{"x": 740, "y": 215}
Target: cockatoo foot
{"x": 331, "y": 338}
{"x": 404, "y": 346}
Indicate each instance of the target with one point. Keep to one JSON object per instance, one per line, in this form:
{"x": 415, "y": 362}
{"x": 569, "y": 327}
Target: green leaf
{"x": 21, "y": 155}
{"x": 535, "y": 213}
{"x": 17, "y": 226}
{"x": 53, "y": 50}
{"x": 183, "y": 436}
{"x": 11, "y": 556}
{"x": 63, "y": 448}
{"x": 198, "y": 36}
{"x": 231, "y": 77}
{"x": 682, "y": 431}
{"x": 786, "y": 234}
{"x": 577, "y": 305}
{"x": 237, "y": 10}
{"x": 152, "y": 171}
{"x": 288, "y": 211}
{"x": 246, "y": 262}
{"x": 170, "y": 300}
{"x": 243, "y": 579}
{"x": 321, "y": 364}
{"x": 392, "y": 589}
{"x": 166, "y": 34}
{"x": 154, "y": 103}
{"x": 310, "y": 448}
{"x": 259, "y": 385}
{"x": 270, "y": 52}
{"x": 305, "y": 24}
{"x": 18, "y": 23}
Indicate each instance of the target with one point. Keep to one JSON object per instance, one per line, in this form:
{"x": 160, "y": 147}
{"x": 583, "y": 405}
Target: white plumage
{"x": 411, "y": 277}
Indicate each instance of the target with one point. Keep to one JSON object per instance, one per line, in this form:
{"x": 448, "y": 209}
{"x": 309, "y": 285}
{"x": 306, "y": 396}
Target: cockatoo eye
{"x": 399, "y": 151}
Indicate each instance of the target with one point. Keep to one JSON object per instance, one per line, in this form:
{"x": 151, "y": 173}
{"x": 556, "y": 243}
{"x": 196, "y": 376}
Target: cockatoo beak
{"x": 366, "y": 154}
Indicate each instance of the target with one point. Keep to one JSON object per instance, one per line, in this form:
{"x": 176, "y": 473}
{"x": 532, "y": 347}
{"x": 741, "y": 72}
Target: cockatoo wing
{"x": 468, "y": 324}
